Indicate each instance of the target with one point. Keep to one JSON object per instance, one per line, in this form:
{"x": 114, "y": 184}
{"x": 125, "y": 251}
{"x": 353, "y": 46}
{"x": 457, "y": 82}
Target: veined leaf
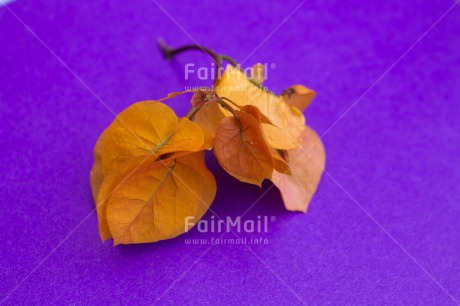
{"x": 147, "y": 128}
{"x": 307, "y": 166}
{"x": 208, "y": 117}
{"x": 280, "y": 164}
{"x": 113, "y": 181}
{"x": 154, "y": 200}
{"x": 287, "y": 122}
{"x": 241, "y": 149}
{"x": 255, "y": 112}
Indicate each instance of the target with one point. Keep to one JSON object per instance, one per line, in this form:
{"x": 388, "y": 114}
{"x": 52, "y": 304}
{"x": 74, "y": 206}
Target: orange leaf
{"x": 307, "y": 166}
{"x": 112, "y": 182}
{"x": 241, "y": 149}
{"x": 143, "y": 129}
{"x": 275, "y": 135}
{"x": 208, "y": 117}
{"x": 279, "y": 163}
{"x": 147, "y": 128}
{"x": 287, "y": 121}
{"x": 255, "y": 112}
{"x": 298, "y": 96}
{"x": 280, "y": 138}
{"x": 154, "y": 201}
{"x": 118, "y": 177}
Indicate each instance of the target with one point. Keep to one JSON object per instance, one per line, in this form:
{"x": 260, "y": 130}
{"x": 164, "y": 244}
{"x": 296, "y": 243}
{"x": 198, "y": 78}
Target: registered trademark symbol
{"x": 273, "y": 218}
{"x": 272, "y": 65}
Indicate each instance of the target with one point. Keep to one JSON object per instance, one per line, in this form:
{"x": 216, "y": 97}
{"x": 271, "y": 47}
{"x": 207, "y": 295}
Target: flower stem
{"x": 231, "y": 110}
{"x": 228, "y": 100}
{"x": 192, "y": 112}
{"x": 169, "y": 53}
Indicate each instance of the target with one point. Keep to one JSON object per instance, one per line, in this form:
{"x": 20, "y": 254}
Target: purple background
{"x": 384, "y": 226}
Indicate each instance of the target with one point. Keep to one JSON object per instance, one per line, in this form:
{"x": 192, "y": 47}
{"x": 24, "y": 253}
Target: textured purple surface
{"x": 383, "y": 228}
